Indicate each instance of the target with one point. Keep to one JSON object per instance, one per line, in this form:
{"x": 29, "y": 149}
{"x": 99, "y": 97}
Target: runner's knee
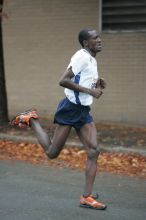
{"x": 93, "y": 152}
{"x": 52, "y": 153}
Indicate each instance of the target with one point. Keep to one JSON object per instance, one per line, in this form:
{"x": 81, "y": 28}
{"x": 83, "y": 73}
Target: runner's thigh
{"x": 60, "y": 135}
{"x": 88, "y": 135}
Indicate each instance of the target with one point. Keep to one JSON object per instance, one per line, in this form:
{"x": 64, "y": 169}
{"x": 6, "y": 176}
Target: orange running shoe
{"x": 22, "y": 119}
{"x": 90, "y": 202}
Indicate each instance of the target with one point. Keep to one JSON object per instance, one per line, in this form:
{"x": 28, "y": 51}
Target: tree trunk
{"x": 3, "y": 94}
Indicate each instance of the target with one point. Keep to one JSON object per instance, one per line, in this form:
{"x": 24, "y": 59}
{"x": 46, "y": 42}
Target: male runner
{"x": 82, "y": 84}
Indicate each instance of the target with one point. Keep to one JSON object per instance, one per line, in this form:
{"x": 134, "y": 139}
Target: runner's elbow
{"x": 63, "y": 82}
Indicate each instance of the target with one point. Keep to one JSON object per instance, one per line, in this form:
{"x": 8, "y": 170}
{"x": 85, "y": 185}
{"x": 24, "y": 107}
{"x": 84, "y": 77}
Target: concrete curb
{"x": 116, "y": 149}
{"x": 16, "y": 138}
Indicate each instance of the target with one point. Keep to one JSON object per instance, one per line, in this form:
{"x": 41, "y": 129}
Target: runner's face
{"x": 94, "y": 42}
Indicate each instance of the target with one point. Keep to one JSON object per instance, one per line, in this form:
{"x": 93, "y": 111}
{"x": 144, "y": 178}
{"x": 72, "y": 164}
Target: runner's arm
{"x": 65, "y": 81}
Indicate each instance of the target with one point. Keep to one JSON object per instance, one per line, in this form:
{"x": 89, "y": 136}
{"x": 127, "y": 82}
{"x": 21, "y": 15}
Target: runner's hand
{"x": 96, "y": 93}
{"x": 101, "y": 83}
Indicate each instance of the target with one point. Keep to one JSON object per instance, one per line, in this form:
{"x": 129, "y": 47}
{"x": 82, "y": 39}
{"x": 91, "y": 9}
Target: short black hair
{"x": 84, "y": 35}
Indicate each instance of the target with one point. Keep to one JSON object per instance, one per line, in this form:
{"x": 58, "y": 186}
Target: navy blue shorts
{"x": 68, "y": 113}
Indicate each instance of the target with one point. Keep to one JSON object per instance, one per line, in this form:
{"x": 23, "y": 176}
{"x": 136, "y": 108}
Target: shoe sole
{"x": 26, "y": 112}
{"x": 91, "y": 207}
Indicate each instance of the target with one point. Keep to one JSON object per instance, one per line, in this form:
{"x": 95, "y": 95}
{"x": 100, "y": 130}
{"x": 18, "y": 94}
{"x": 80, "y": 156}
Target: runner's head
{"x": 90, "y": 39}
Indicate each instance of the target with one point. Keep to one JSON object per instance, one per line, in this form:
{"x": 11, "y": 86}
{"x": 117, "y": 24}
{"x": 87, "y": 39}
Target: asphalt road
{"x": 35, "y": 192}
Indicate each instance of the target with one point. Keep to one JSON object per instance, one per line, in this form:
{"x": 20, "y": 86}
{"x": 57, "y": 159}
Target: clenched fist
{"x": 96, "y": 93}
{"x": 101, "y": 83}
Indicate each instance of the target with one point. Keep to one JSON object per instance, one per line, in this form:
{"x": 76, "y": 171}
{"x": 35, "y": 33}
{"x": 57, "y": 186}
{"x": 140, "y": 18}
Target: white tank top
{"x": 84, "y": 67}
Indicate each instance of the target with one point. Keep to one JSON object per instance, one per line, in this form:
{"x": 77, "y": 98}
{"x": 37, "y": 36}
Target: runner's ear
{"x": 85, "y": 43}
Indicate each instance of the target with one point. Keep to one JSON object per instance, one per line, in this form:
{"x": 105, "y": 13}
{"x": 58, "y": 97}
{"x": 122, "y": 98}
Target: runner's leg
{"x": 51, "y": 148}
{"x": 88, "y": 136}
